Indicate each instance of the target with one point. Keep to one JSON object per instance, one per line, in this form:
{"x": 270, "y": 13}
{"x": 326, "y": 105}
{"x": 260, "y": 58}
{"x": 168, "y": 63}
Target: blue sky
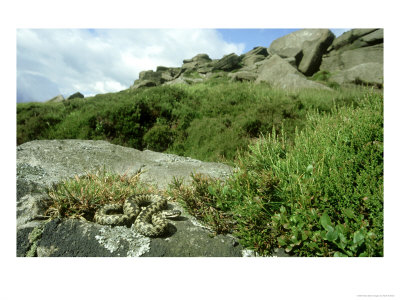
{"x": 94, "y": 61}
{"x": 253, "y": 37}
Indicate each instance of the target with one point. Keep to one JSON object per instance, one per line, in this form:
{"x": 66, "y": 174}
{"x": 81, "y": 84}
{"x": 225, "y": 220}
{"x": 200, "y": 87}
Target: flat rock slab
{"x": 76, "y": 238}
{"x": 49, "y": 161}
{"x": 41, "y": 164}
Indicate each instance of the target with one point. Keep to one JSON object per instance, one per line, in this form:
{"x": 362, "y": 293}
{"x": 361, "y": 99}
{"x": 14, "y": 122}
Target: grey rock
{"x": 59, "y": 98}
{"x": 290, "y": 52}
{"x": 76, "y": 95}
{"x": 227, "y": 63}
{"x": 77, "y": 238}
{"x": 341, "y": 60}
{"x": 243, "y": 76}
{"x": 43, "y": 164}
{"x": 257, "y": 51}
{"x": 144, "y": 83}
{"x": 349, "y": 37}
{"x": 201, "y": 63}
{"x": 179, "y": 80}
{"x": 198, "y": 58}
{"x": 375, "y": 37}
{"x": 313, "y": 51}
{"x": 167, "y": 74}
{"x": 147, "y": 79}
{"x": 292, "y": 61}
{"x": 365, "y": 74}
{"x": 279, "y": 73}
{"x": 306, "y": 45}
{"x": 161, "y": 75}
{"x": 255, "y": 55}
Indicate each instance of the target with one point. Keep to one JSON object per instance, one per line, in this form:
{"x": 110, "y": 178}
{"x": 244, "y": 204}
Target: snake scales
{"x": 149, "y": 221}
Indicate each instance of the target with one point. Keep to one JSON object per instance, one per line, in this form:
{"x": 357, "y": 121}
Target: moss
{"x": 34, "y": 238}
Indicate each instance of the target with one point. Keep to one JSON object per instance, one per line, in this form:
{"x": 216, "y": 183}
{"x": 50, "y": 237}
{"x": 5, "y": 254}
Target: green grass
{"x": 321, "y": 195}
{"x": 80, "y": 197}
{"x": 211, "y": 121}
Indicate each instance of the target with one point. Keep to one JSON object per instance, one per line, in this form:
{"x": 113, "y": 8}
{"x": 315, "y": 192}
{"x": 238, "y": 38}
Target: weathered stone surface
{"x": 347, "y": 38}
{"x": 313, "y": 51}
{"x": 306, "y": 45}
{"x": 77, "y": 238}
{"x": 76, "y": 95}
{"x": 147, "y": 79}
{"x": 341, "y": 60}
{"x": 59, "y": 98}
{"x": 167, "y": 74}
{"x": 41, "y": 164}
{"x": 227, "y": 63}
{"x": 375, "y": 37}
{"x": 243, "y": 76}
{"x": 255, "y": 55}
{"x": 144, "y": 83}
{"x": 306, "y": 50}
{"x": 202, "y": 57}
{"x": 201, "y": 63}
{"x": 279, "y": 73}
{"x": 366, "y": 74}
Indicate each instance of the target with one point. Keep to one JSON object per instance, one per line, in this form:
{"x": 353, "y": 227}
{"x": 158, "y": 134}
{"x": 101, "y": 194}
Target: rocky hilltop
{"x": 356, "y": 57}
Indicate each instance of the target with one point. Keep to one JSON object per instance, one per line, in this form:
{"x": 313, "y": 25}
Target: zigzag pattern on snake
{"x": 149, "y": 221}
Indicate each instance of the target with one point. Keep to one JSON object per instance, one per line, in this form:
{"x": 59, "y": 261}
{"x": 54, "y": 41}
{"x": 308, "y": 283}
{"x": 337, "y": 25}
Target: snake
{"x": 150, "y": 221}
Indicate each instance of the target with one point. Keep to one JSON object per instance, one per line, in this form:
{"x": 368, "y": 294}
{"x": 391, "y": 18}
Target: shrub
{"x": 321, "y": 195}
{"x": 158, "y": 138}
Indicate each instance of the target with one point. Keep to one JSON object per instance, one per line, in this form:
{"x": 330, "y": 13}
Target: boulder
{"x": 255, "y": 55}
{"x": 167, "y": 74}
{"x": 147, "y": 79}
{"x": 306, "y": 45}
{"x": 201, "y": 63}
{"x": 59, "y": 98}
{"x": 365, "y": 74}
{"x": 227, "y": 63}
{"x": 357, "y": 38}
{"x": 144, "y": 83}
{"x": 43, "y": 164}
{"x": 154, "y": 78}
{"x": 341, "y": 60}
{"x": 279, "y": 73}
{"x": 243, "y": 76}
{"x": 199, "y": 58}
{"x": 76, "y": 95}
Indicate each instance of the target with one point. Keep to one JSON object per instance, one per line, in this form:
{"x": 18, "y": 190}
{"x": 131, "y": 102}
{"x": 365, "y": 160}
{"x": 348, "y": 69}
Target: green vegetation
{"x": 321, "y": 195}
{"x": 80, "y": 197}
{"x": 210, "y": 121}
{"x": 309, "y": 164}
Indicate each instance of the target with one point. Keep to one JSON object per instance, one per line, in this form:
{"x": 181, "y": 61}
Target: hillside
{"x": 301, "y": 122}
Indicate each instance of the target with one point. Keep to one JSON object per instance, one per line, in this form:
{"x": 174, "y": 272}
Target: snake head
{"x": 171, "y": 214}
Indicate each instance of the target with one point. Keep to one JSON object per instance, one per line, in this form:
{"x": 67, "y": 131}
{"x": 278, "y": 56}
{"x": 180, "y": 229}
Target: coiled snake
{"x": 149, "y": 221}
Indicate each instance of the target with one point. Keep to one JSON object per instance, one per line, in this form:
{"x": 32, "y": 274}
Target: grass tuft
{"x": 80, "y": 197}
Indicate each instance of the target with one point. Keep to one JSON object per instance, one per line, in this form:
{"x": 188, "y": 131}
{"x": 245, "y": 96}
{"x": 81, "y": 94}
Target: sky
{"x": 51, "y": 62}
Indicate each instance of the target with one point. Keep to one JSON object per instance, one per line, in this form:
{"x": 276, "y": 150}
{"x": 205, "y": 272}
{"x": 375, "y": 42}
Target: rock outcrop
{"x": 76, "y": 95}
{"x": 59, "y": 98}
{"x": 307, "y": 51}
{"x": 280, "y": 73}
{"x": 358, "y": 50}
{"x": 42, "y": 164}
{"x": 253, "y": 56}
{"x": 227, "y": 63}
{"x": 307, "y": 47}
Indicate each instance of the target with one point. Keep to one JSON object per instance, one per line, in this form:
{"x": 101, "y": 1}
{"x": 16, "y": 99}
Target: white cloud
{"x": 100, "y": 61}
